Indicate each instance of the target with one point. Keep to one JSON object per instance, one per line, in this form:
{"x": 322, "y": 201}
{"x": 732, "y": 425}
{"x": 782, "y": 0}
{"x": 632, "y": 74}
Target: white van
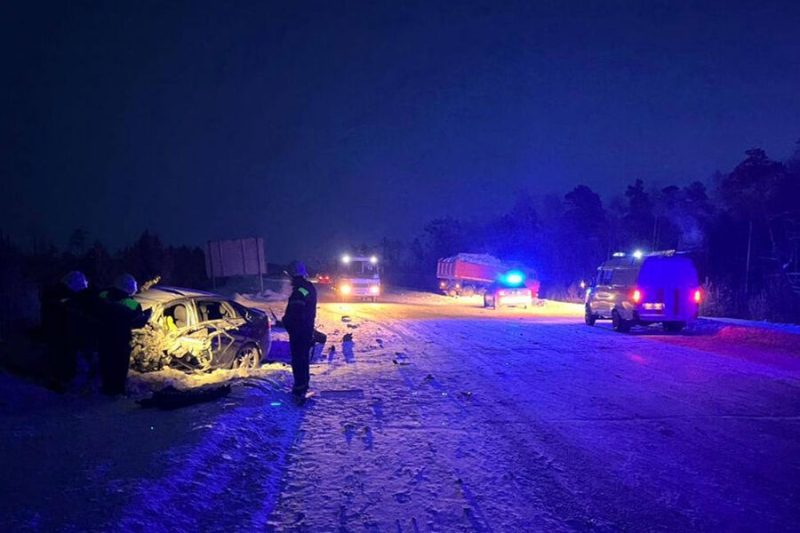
{"x": 642, "y": 289}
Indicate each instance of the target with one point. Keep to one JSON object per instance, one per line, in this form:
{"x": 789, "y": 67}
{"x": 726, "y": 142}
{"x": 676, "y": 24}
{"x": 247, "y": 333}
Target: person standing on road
{"x": 301, "y": 311}
{"x": 61, "y": 334}
{"x": 119, "y": 315}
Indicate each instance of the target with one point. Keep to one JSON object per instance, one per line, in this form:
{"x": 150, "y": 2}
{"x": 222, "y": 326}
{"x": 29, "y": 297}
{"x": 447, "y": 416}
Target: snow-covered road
{"x": 439, "y": 416}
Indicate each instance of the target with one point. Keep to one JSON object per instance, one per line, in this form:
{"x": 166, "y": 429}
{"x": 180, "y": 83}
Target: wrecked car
{"x": 198, "y": 331}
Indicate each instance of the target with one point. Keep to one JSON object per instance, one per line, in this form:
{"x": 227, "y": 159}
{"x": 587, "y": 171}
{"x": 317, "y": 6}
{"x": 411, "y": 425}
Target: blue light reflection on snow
{"x": 202, "y": 478}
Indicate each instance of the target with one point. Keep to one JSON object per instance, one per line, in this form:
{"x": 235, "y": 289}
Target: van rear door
{"x": 667, "y": 284}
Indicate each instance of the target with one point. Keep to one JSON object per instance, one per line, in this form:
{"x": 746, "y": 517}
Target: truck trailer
{"x": 468, "y": 274}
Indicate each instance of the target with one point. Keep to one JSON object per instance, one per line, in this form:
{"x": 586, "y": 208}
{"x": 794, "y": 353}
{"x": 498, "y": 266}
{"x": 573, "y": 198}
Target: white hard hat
{"x": 127, "y": 284}
{"x": 297, "y": 268}
{"x": 75, "y": 280}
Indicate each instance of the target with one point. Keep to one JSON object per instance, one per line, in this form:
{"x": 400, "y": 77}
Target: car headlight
{"x": 374, "y": 289}
{"x": 346, "y": 289}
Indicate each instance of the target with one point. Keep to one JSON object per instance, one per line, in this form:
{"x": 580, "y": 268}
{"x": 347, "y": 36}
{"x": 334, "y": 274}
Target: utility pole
{"x": 747, "y": 267}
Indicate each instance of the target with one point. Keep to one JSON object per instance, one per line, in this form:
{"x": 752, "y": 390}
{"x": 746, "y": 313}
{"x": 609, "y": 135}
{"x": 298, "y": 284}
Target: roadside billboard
{"x": 236, "y": 257}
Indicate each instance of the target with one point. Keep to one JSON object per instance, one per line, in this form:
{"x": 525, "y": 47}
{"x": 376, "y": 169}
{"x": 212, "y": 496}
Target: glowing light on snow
{"x": 636, "y": 358}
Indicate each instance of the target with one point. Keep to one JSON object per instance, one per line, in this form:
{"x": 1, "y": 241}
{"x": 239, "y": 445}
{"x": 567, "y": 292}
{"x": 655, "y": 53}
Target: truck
{"x": 468, "y": 274}
{"x": 358, "y": 278}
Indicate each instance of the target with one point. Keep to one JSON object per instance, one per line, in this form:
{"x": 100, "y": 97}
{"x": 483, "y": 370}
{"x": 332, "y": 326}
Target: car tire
{"x": 248, "y": 356}
{"x": 674, "y": 327}
{"x": 618, "y": 323}
{"x": 589, "y": 317}
{"x": 468, "y": 291}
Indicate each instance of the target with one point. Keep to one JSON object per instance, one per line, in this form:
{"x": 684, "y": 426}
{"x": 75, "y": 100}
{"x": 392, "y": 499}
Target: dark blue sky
{"x": 319, "y": 124}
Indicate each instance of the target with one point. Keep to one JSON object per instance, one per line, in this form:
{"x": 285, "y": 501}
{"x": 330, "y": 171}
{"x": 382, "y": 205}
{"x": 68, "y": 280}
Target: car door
{"x": 602, "y": 300}
{"x": 225, "y": 327}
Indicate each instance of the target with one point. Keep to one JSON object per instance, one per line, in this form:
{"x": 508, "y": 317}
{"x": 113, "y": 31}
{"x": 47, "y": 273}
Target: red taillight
{"x": 698, "y": 295}
{"x": 636, "y": 296}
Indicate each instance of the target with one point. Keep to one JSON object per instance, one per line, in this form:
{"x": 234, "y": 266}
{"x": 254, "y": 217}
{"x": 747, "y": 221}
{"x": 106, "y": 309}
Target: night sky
{"x": 316, "y": 125}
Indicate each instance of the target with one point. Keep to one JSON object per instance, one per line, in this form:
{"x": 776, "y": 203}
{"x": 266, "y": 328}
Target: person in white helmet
{"x": 58, "y": 305}
{"x": 120, "y": 315}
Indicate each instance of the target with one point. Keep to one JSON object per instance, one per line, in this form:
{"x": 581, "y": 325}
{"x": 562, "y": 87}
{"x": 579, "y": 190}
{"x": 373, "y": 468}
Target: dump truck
{"x": 468, "y": 274}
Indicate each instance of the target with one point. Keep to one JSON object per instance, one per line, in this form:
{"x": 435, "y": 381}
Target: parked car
{"x": 508, "y": 293}
{"x": 202, "y": 331}
{"x": 642, "y": 289}
{"x": 324, "y": 278}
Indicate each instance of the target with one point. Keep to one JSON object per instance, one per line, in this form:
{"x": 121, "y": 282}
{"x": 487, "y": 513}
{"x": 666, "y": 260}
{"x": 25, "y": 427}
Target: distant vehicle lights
{"x": 346, "y": 289}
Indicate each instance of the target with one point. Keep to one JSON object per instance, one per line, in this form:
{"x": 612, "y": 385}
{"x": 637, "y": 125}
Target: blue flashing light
{"x": 275, "y": 404}
{"x": 514, "y": 277}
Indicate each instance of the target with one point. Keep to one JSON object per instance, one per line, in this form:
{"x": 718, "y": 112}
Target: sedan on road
{"x": 504, "y": 294}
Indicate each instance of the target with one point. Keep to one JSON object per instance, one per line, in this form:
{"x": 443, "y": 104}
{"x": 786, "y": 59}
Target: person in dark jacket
{"x": 301, "y": 311}
{"x": 59, "y": 307}
{"x": 119, "y": 315}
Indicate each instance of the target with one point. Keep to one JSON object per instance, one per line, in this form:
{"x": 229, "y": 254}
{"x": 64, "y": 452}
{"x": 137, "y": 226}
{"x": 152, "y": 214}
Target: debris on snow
{"x": 172, "y": 398}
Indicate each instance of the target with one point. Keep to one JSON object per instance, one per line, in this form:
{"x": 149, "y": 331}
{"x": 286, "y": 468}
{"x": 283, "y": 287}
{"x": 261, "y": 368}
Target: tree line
{"x": 742, "y": 230}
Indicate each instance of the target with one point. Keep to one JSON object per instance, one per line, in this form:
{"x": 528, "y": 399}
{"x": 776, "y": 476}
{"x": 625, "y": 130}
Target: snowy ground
{"x": 438, "y": 416}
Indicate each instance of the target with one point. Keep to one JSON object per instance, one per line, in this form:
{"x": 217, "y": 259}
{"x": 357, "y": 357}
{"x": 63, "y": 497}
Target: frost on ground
{"x": 431, "y": 414}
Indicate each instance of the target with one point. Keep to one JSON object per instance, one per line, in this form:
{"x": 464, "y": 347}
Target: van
{"x": 643, "y": 289}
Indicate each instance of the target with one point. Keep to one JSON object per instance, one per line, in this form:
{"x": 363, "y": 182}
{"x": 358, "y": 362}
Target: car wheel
{"x": 249, "y": 356}
{"x": 674, "y": 327}
{"x": 618, "y": 323}
{"x": 468, "y": 291}
{"x": 589, "y": 317}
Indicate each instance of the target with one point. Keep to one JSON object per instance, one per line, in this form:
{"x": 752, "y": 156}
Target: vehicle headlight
{"x": 346, "y": 289}
{"x": 374, "y": 289}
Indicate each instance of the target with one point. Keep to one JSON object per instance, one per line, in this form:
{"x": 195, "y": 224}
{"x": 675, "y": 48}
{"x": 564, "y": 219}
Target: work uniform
{"x": 59, "y": 350}
{"x": 119, "y": 315}
{"x": 301, "y": 311}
